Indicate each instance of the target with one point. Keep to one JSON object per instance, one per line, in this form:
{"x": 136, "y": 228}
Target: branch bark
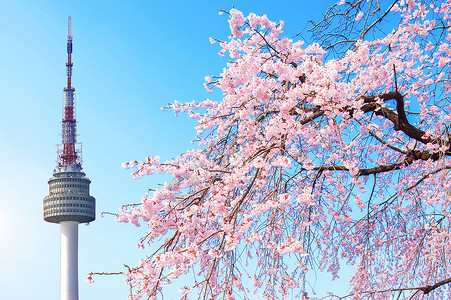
{"x": 399, "y": 119}
{"x": 429, "y": 288}
{"x": 409, "y": 159}
{"x": 425, "y": 289}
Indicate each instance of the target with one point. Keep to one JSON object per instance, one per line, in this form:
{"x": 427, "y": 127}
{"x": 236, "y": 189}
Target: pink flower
{"x": 359, "y": 16}
{"x": 89, "y": 279}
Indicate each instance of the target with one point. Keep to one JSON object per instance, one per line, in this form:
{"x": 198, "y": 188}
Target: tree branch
{"x": 429, "y": 288}
{"x": 409, "y": 159}
{"x": 425, "y": 289}
{"x": 398, "y": 119}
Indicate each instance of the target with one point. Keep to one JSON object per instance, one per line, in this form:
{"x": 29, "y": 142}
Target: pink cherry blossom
{"x": 312, "y": 160}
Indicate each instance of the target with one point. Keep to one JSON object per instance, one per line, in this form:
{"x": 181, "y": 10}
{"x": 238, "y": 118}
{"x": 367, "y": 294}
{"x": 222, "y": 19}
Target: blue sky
{"x": 130, "y": 59}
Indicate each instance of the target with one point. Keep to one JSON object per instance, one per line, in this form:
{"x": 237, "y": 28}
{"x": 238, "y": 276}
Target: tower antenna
{"x": 69, "y": 29}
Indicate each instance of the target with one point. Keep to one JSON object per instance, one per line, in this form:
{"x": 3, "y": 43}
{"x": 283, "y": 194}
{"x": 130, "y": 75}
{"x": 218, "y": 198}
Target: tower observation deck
{"x": 69, "y": 202}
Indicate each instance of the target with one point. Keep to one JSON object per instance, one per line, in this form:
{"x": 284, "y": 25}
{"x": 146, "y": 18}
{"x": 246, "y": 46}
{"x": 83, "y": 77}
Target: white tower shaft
{"x": 69, "y": 260}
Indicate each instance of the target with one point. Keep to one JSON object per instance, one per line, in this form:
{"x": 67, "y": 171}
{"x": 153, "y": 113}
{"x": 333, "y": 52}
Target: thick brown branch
{"x": 399, "y": 119}
{"x": 409, "y": 159}
{"x": 429, "y": 288}
{"x": 364, "y": 172}
{"x": 425, "y": 289}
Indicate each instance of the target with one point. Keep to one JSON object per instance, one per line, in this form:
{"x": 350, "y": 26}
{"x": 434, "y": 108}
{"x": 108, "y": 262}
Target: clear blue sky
{"x": 130, "y": 59}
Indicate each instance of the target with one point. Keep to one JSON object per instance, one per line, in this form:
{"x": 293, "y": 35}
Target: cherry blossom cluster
{"x": 307, "y": 164}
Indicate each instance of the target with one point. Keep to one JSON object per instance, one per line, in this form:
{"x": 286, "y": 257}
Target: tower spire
{"x": 69, "y": 53}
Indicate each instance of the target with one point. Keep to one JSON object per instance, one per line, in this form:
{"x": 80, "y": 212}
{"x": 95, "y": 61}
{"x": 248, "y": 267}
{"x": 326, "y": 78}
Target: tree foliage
{"x": 317, "y": 156}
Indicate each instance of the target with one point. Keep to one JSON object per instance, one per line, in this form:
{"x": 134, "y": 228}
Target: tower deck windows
{"x": 68, "y": 193}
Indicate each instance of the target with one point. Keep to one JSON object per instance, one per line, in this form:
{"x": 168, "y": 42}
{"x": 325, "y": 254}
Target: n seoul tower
{"x": 69, "y": 202}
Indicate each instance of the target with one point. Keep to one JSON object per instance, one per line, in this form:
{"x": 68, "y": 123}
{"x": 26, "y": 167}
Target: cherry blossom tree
{"x": 317, "y": 156}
